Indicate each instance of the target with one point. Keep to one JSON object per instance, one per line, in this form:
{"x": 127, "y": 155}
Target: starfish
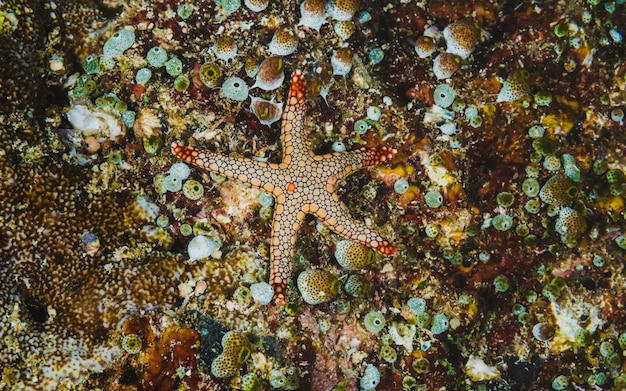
{"x": 302, "y": 183}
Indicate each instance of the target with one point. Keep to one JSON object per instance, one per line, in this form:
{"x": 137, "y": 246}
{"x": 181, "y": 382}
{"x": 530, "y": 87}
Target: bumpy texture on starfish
{"x": 303, "y": 183}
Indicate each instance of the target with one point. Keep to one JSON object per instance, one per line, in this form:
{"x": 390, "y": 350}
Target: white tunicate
{"x": 262, "y": 292}
{"x": 448, "y": 128}
{"x": 180, "y": 170}
{"x": 235, "y": 88}
{"x": 201, "y": 247}
{"x": 371, "y": 378}
{"x": 373, "y": 113}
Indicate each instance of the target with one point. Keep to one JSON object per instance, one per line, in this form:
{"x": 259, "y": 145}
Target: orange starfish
{"x": 303, "y": 183}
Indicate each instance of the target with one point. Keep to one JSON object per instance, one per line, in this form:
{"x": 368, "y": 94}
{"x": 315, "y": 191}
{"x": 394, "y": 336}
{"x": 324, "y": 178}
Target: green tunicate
{"x": 91, "y": 64}
{"x": 143, "y": 75}
{"x": 361, "y": 126}
{"x": 388, "y": 354}
{"x": 369, "y": 192}
{"x": 152, "y": 144}
{"x": 613, "y": 360}
{"x": 617, "y": 115}
{"x": 374, "y": 322}
{"x": 277, "y": 379}
{"x": 118, "y": 43}
{"x": 342, "y": 306}
{"x": 409, "y": 382}
{"x": 401, "y": 185}
{"x": 505, "y": 199}
{"x": 530, "y": 187}
{"x": 157, "y": 56}
{"x": 132, "y": 343}
{"x": 552, "y": 163}
{"x": 422, "y": 320}
{"x": 162, "y": 221}
{"x": 356, "y": 286}
{"x": 615, "y": 175}
{"x": 173, "y": 66}
{"x": 536, "y": 131}
{"x": 501, "y": 283}
{"x": 545, "y": 146}
{"x": 266, "y": 212}
{"x": 266, "y": 199}
{"x": 598, "y": 261}
{"x": 185, "y": 10}
{"x": 210, "y": 74}
{"x": 115, "y": 157}
{"x": 185, "y": 229}
{"x": 621, "y": 241}
{"x": 433, "y": 198}
{"x": 518, "y": 309}
{"x": 235, "y": 88}
{"x": 551, "y": 292}
{"x": 444, "y": 95}
{"x": 435, "y": 160}
{"x": 440, "y": 324}
{"x": 621, "y": 340}
{"x": 561, "y": 29}
{"x": 522, "y": 230}
{"x": 560, "y": 382}
{"x": 420, "y": 365}
{"x": 532, "y": 170}
{"x": 502, "y": 222}
{"x": 535, "y": 157}
{"x": 524, "y": 317}
{"x": 193, "y": 189}
{"x": 250, "y": 382}
{"x": 455, "y": 142}
{"x": 530, "y": 295}
{"x": 417, "y": 305}
{"x": 431, "y": 230}
{"x": 582, "y": 337}
{"x": 458, "y": 105}
{"x": 471, "y": 111}
{"x": 243, "y": 296}
{"x": 558, "y": 281}
{"x": 181, "y": 83}
{"x": 172, "y": 183}
{"x": 606, "y": 348}
{"x": 228, "y": 6}
{"x": 476, "y": 121}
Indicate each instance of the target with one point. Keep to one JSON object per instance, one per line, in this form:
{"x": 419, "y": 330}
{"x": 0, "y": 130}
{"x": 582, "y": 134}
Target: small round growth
{"x": 501, "y": 283}
{"x": 284, "y": 42}
{"x": 256, "y": 5}
{"x": 502, "y": 222}
{"x": 344, "y": 29}
{"x": 425, "y": 46}
{"x": 505, "y": 199}
{"x": 356, "y": 286}
{"x": 543, "y": 98}
{"x": 181, "y": 83}
{"x": 515, "y": 87}
{"x": 461, "y": 37}
{"x": 132, "y": 343}
{"x": 173, "y": 66}
{"x": 201, "y": 247}
{"x": 401, "y": 185}
{"x": 370, "y": 379}
{"x": 312, "y": 14}
{"x": 388, "y": 354}
{"x": 570, "y": 222}
{"x": 317, "y": 286}
{"x": 157, "y": 56}
{"x": 543, "y": 331}
{"x": 342, "y": 9}
{"x": 445, "y": 64}
{"x": 560, "y": 382}
{"x": 353, "y": 255}
{"x": 225, "y": 48}
{"x": 267, "y": 111}
{"x": 271, "y": 74}
{"x": 193, "y": 190}
{"x": 118, "y": 43}
{"x": 444, "y": 95}
{"x": 210, "y": 74}
{"x": 341, "y": 61}
{"x": 374, "y": 322}
{"x": 235, "y": 88}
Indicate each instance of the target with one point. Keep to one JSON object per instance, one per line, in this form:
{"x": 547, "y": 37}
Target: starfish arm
{"x": 341, "y": 164}
{"x": 253, "y": 172}
{"x": 287, "y": 220}
{"x": 292, "y": 129}
{"x": 335, "y": 217}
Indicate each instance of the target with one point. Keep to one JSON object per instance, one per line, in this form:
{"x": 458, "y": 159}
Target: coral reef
{"x": 122, "y": 268}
